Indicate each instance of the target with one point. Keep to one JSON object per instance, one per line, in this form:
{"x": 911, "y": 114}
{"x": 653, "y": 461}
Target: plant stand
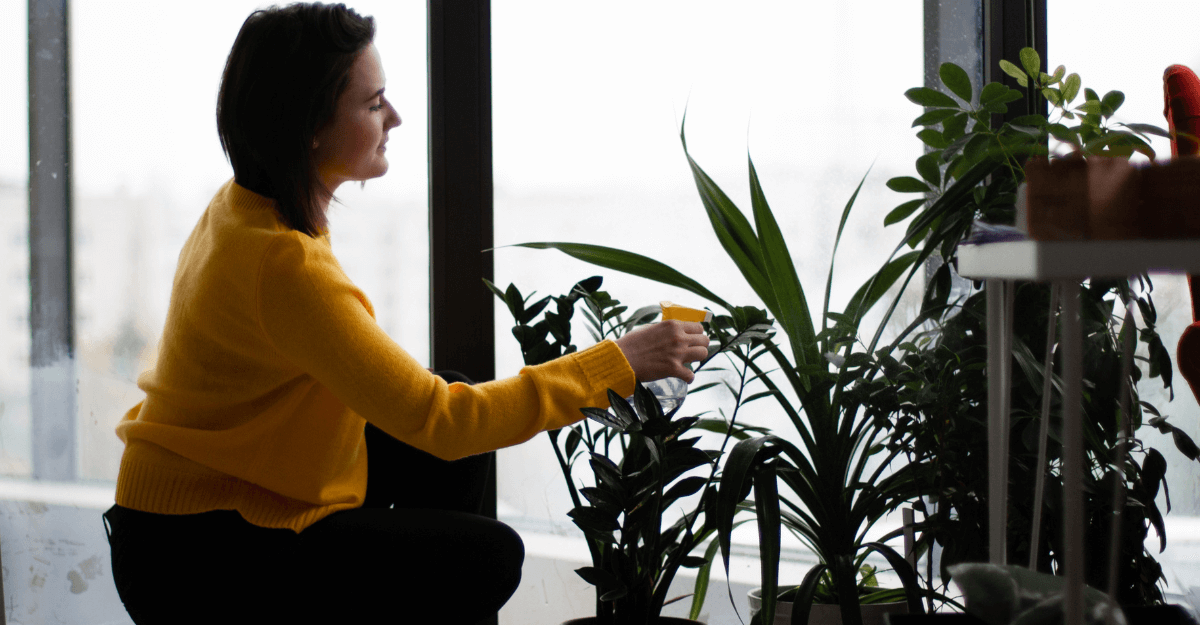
{"x": 1065, "y": 263}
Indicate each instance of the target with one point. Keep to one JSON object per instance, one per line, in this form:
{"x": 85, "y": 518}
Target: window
{"x": 14, "y": 242}
{"x": 587, "y": 113}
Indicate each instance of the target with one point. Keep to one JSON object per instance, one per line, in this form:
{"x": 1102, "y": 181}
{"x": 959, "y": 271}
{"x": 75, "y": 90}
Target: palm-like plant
{"x": 834, "y": 464}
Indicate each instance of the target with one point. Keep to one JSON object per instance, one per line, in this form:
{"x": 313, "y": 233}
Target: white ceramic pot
{"x": 826, "y": 614}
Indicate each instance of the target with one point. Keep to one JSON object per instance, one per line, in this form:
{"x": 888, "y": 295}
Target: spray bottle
{"x": 671, "y": 391}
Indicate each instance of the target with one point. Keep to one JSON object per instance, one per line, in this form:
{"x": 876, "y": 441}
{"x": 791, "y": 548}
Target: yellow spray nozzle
{"x": 683, "y": 313}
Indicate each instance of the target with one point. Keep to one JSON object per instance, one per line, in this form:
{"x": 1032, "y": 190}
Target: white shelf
{"x": 1049, "y": 260}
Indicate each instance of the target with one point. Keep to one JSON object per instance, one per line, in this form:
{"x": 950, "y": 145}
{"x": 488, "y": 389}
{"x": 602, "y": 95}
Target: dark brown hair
{"x": 281, "y": 84}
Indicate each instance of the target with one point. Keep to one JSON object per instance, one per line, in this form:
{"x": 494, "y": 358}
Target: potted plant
{"x": 643, "y": 461}
{"x": 831, "y": 497}
{"x": 934, "y": 393}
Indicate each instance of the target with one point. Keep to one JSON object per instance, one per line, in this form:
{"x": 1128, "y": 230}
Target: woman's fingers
{"x": 665, "y": 349}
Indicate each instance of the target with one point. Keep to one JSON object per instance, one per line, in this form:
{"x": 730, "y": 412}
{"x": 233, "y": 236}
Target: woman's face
{"x": 351, "y": 145}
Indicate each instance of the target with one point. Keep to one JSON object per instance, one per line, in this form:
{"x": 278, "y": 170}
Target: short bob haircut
{"x": 287, "y": 68}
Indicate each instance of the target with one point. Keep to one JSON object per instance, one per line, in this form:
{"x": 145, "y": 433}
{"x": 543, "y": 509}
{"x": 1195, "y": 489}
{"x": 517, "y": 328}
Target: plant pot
{"x": 827, "y": 614}
{"x": 945, "y": 618}
{"x": 1134, "y": 615}
{"x": 662, "y": 620}
{"x": 1157, "y": 615}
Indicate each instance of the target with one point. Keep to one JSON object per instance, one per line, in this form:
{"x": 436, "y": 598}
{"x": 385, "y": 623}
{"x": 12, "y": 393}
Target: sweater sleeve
{"x": 320, "y": 322}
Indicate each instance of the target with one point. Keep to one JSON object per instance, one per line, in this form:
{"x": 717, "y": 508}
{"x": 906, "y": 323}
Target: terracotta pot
{"x": 1114, "y": 187}
{"x": 662, "y": 620}
{"x": 1057, "y": 199}
{"x": 825, "y": 614}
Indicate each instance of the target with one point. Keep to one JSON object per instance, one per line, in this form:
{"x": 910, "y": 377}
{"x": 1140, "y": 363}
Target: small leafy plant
{"x": 933, "y": 392}
{"x": 643, "y": 461}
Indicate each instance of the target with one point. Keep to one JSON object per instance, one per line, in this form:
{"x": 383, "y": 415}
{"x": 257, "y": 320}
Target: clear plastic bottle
{"x": 672, "y": 391}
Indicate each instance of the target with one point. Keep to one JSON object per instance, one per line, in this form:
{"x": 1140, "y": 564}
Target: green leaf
{"x": 1090, "y": 95}
{"x": 1070, "y": 89}
{"x": 598, "y": 577}
{"x": 1052, "y": 95}
{"x": 702, "y": 577}
{"x": 1012, "y": 70}
{"x": 630, "y": 263}
{"x": 516, "y": 304}
{"x": 605, "y": 418}
{"x": 992, "y": 91}
{"x": 766, "y": 506}
{"x": 954, "y": 128}
{"x": 901, "y": 212}
{"x": 875, "y": 288}
{"x": 907, "y": 184}
{"x": 733, "y": 231}
{"x": 1147, "y": 129}
{"x": 927, "y": 167}
{"x": 933, "y": 138}
{"x": 1062, "y": 133}
{"x": 791, "y": 306}
{"x": 1090, "y": 107}
{"x": 1031, "y": 61}
{"x": 976, "y": 147}
{"x": 930, "y": 97}
{"x": 953, "y": 149}
{"x": 1058, "y": 73}
{"x": 935, "y": 116}
{"x": 908, "y": 577}
{"x": 1112, "y": 101}
{"x": 956, "y": 80}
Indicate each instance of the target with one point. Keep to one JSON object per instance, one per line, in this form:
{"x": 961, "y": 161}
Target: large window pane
{"x": 1130, "y": 55}
{"x": 147, "y": 161}
{"x": 14, "y": 241}
{"x": 587, "y": 111}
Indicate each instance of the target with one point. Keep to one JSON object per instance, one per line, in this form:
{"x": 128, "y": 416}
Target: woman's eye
{"x": 377, "y": 107}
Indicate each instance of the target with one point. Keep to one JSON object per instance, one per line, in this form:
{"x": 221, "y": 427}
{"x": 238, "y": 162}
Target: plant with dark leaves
{"x": 643, "y": 462}
{"x": 933, "y": 391}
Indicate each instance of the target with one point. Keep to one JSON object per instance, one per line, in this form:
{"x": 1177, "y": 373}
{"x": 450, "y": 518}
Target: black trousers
{"x": 417, "y": 551}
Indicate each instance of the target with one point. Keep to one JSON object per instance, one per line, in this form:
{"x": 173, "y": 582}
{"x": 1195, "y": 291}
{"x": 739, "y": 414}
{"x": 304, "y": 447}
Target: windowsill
{"x": 96, "y": 495}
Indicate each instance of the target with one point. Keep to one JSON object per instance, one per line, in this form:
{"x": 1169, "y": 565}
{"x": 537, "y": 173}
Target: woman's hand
{"x": 664, "y": 349}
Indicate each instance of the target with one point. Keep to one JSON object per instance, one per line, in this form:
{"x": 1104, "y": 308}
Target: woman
{"x": 290, "y": 462}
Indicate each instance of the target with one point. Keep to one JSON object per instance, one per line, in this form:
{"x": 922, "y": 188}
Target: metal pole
{"x": 1039, "y": 492}
{"x": 1072, "y": 452}
{"x": 997, "y": 453}
{"x": 1125, "y": 427}
{"x": 51, "y": 315}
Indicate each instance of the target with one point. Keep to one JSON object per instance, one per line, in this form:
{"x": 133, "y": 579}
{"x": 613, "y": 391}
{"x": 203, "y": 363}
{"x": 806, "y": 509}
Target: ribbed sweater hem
{"x": 153, "y": 479}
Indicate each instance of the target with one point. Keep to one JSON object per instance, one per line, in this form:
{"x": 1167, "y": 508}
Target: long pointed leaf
{"x": 630, "y": 263}
{"x": 733, "y": 231}
{"x": 908, "y": 577}
{"x": 766, "y": 505}
{"x": 802, "y": 606}
{"x": 792, "y": 306}
{"x": 836, "y": 241}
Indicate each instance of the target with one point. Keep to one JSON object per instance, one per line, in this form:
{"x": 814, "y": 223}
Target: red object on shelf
{"x": 1181, "y": 93}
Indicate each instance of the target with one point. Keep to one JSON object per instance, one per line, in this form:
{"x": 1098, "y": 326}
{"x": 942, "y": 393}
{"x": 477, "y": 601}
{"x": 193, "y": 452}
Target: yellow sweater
{"x": 270, "y": 364}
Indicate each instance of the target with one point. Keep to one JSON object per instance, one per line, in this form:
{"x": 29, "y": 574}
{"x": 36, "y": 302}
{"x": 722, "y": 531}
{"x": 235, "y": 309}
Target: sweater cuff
{"x": 604, "y": 366}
